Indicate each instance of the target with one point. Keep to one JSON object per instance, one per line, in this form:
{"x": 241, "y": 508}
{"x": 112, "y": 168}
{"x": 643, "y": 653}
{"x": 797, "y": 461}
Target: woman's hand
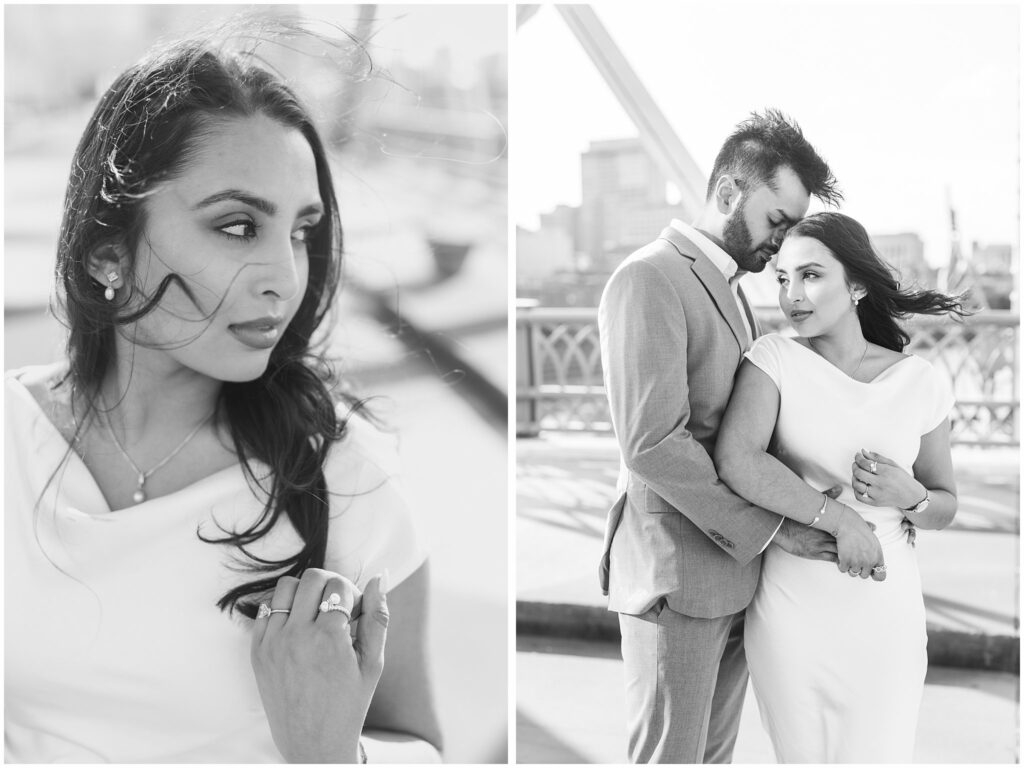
{"x": 860, "y": 552}
{"x": 878, "y": 481}
{"x": 315, "y": 681}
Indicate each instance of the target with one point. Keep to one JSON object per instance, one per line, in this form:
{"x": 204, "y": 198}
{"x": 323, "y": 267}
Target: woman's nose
{"x": 279, "y": 275}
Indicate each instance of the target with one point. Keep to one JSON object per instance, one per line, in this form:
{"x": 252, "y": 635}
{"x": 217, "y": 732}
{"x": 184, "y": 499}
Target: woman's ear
{"x": 857, "y": 292}
{"x": 106, "y": 264}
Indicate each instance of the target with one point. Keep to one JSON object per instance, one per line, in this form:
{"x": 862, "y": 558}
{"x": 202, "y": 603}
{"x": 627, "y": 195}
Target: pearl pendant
{"x": 140, "y": 496}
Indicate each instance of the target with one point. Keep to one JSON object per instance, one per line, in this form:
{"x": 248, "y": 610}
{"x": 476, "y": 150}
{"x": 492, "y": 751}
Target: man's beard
{"x": 736, "y": 237}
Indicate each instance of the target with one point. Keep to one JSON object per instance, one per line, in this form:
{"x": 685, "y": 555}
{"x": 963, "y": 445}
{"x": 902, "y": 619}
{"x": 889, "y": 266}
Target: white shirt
{"x": 115, "y": 649}
{"x": 723, "y": 262}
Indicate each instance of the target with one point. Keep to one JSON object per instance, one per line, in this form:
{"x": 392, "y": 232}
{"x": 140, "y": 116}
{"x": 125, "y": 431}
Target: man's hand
{"x": 803, "y": 541}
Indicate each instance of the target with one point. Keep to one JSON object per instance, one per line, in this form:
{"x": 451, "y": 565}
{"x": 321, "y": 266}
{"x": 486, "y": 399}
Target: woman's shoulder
{"x": 775, "y": 344}
{"x": 36, "y": 384}
{"x": 372, "y": 525}
{"x": 774, "y": 339}
{"x": 366, "y": 454}
{"x": 36, "y": 377}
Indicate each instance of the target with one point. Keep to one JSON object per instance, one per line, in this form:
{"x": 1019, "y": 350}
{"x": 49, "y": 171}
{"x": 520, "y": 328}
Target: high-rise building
{"x": 905, "y": 252}
{"x": 624, "y": 202}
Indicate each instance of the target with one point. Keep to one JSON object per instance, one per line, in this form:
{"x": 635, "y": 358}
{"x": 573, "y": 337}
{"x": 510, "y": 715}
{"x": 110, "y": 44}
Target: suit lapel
{"x": 714, "y": 283}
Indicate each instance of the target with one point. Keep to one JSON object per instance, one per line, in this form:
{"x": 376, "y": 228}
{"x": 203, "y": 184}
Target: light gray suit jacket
{"x": 672, "y": 340}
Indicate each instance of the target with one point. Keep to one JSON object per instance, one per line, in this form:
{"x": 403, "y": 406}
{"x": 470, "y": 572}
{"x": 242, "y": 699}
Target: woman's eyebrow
{"x": 259, "y": 203}
{"x": 802, "y": 266}
{"x": 238, "y": 195}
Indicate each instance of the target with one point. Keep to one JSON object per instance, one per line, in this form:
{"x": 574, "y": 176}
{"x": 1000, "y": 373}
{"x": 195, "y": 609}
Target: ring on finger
{"x": 265, "y": 611}
{"x": 333, "y": 603}
{"x": 878, "y": 569}
{"x": 873, "y": 465}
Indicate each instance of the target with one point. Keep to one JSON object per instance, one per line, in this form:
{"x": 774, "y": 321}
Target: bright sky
{"x": 905, "y": 101}
{"x": 417, "y": 32}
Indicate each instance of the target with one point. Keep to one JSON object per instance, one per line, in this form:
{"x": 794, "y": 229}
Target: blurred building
{"x": 905, "y": 252}
{"x": 624, "y": 203}
{"x": 541, "y": 254}
{"x": 993, "y": 268}
{"x": 624, "y": 206}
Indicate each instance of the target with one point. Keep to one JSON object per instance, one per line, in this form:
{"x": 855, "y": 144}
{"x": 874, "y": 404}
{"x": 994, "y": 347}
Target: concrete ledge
{"x": 946, "y": 647}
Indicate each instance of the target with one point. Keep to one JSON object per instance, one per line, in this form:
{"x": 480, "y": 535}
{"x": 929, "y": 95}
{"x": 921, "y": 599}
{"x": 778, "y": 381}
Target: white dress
{"x": 115, "y": 649}
{"x": 838, "y": 663}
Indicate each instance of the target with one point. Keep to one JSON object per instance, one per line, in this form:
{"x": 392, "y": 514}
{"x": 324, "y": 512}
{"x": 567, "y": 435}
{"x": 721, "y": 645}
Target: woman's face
{"x": 233, "y": 225}
{"x": 813, "y": 291}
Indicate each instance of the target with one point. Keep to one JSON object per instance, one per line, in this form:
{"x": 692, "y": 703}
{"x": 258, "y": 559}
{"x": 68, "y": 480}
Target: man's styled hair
{"x": 762, "y": 144}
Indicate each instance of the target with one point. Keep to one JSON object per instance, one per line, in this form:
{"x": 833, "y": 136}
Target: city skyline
{"x": 908, "y": 130}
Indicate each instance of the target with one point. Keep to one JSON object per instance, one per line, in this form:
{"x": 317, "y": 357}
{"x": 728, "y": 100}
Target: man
{"x": 682, "y": 552}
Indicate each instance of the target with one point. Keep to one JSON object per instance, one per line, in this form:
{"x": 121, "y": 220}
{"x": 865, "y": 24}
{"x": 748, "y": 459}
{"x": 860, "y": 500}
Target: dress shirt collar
{"x": 722, "y": 260}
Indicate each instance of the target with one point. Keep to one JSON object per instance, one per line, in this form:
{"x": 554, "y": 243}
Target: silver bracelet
{"x": 821, "y": 511}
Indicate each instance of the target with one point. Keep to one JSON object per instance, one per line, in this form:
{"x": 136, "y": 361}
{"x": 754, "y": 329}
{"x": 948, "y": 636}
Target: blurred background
{"x": 916, "y": 108}
{"x": 418, "y": 141}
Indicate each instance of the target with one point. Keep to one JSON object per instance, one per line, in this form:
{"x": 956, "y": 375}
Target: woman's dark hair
{"x": 885, "y": 301}
{"x": 147, "y": 127}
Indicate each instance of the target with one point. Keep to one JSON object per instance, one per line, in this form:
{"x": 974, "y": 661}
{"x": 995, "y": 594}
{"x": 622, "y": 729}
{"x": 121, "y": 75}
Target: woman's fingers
{"x": 309, "y": 594}
{"x": 872, "y": 456}
{"x": 371, "y": 634}
{"x": 862, "y": 461}
{"x": 340, "y": 602}
{"x": 281, "y": 601}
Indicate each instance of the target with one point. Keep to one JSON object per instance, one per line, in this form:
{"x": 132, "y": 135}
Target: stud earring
{"x": 108, "y": 294}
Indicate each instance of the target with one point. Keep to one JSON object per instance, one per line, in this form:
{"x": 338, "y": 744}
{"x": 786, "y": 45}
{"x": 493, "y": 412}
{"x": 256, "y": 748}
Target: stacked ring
{"x": 333, "y": 603}
{"x": 878, "y": 569}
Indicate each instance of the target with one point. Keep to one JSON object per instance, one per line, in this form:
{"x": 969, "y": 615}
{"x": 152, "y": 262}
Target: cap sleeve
{"x": 766, "y": 354}
{"x": 372, "y": 527}
{"x": 938, "y": 400}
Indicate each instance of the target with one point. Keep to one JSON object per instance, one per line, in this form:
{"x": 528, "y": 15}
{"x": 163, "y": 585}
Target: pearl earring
{"x": 108, "y": 294}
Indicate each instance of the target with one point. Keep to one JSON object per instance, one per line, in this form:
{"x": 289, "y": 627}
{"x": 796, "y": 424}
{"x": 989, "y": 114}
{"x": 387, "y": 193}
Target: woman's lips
{"x": 258, "y": 334}
{"x": 798, "y": 315}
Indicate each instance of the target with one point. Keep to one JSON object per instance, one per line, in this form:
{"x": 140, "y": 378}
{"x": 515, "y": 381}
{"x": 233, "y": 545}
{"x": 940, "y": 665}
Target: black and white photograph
{"x": 767, "y": 382}
{"x": 256, "y": 401}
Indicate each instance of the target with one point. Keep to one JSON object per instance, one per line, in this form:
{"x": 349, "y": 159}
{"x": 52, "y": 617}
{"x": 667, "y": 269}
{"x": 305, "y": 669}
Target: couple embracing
{"x": 771, "y": 484}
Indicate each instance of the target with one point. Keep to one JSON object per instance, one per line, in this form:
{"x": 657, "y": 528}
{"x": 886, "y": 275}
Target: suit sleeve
{"x": 643, "y": 349}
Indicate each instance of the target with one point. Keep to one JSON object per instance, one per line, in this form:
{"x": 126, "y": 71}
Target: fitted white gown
{"x": 838, "y": 663}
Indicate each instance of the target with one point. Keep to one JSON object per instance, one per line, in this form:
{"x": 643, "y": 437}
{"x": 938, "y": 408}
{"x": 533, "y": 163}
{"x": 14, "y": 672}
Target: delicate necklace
{"x": 854, "y": 371}
{"x": 140, "y": 493}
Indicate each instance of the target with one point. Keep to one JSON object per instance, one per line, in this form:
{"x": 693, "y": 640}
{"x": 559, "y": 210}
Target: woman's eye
{"x": 241, "y": 229}
{"x": 810, "y": 275}
{"x": 782, "y": 280}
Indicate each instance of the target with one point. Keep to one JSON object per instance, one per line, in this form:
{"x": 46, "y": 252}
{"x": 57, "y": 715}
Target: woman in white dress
{"x": 838, "y": 663}
{"x": 194, "y": 517}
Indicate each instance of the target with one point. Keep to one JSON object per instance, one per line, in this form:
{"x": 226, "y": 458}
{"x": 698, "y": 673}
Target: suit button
{"x": 721, "y": 540}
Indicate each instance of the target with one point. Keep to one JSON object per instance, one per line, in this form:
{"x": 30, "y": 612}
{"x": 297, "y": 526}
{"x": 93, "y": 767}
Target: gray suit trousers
{"x": 685, "y": 683}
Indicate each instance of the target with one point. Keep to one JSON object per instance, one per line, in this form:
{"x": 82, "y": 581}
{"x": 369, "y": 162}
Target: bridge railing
{"x": 559, "y": 382}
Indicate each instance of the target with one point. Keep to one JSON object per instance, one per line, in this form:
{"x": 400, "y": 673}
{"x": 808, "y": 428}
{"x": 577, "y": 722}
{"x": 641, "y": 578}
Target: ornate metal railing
{"x": 559, "y": 384}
